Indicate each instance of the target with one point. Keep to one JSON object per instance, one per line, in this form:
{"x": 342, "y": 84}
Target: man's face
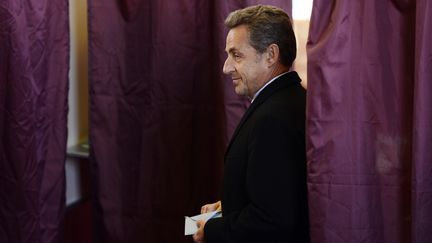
{"x": 248, "y": 68}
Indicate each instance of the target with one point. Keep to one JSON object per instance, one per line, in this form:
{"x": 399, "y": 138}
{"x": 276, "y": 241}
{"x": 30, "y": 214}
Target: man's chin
{"x": 240, "y": 92}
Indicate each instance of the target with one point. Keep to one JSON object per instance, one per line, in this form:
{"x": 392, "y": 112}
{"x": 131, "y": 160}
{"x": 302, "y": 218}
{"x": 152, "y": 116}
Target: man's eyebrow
{"x": 232, "y": 50}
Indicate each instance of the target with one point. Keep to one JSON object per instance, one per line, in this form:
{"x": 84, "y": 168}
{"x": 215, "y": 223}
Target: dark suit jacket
{"x": 264, "y": 186}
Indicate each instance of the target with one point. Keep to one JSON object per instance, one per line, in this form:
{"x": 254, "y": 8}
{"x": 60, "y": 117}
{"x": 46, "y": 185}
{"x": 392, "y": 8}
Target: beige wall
{"x": 78, "y": 73}
{"x": 78, "y": 97}
{"x": 301, "y": 29}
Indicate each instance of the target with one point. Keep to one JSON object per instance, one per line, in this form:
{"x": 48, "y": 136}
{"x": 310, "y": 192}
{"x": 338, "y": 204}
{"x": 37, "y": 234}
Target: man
{"x": 264, "y": 185}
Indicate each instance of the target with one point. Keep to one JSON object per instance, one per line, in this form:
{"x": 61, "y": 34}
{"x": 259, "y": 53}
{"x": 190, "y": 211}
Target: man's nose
{"x": 228, "y": 67}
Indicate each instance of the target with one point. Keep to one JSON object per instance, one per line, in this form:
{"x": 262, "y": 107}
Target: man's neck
{"x": 267, "y": 83}
{"x": 275, "y": 71}
{"x": 278, "y": 70}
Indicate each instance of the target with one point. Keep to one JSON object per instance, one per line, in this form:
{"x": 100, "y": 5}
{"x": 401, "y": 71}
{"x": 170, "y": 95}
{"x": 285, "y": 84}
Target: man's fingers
{"x": 200, "y": 223}
{"x": 199, "y": 235}
{"x": 211, "y": 207}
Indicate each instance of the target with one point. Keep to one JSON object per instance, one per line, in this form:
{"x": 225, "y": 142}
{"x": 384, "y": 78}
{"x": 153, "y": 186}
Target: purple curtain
{"x": 369, "y": 121}
{"x": 161, "y": 113}
{"x": 34, "y": 65}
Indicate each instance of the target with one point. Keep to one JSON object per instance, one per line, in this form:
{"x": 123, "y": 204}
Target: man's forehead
{"x": 240, "y": 31}
{"x": 236, "y": 38}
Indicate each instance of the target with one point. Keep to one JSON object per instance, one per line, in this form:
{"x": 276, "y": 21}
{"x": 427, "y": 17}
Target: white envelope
{"x": 191, "y": 222}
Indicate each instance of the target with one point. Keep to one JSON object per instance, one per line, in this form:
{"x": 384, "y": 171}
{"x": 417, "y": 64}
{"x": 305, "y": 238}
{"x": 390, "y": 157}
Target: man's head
{"x": 260, "y": 45}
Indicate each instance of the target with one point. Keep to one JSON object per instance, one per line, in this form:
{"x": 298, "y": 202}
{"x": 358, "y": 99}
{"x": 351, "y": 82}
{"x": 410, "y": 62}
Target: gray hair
{"x": 267, "y": 25}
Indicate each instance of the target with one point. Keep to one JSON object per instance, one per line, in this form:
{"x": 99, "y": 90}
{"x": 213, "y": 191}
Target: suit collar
{"x": 281, "y": 82}
{"x": 266, "y": 84}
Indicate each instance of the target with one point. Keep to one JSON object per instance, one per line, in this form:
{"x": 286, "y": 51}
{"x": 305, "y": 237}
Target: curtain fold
{"x": 368, "y": 123}
{"x": 161, "y": 113}
{"x": 421, "y": 183}
{"x": 34, "y": 65}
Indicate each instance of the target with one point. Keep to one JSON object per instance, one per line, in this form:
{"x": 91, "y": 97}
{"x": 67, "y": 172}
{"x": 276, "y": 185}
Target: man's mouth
{"x": 235, "y": 80}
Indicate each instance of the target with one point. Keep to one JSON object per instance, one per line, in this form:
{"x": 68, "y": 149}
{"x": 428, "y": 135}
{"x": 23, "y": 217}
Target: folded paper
{"x": 191, "y": 222}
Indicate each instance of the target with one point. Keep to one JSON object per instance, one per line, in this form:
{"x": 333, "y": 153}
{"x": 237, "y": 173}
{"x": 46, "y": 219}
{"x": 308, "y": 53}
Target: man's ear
{"x": 272, "y": 54}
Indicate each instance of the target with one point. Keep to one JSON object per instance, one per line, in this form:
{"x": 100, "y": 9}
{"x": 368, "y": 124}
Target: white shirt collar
{"x": 265, "y": 85}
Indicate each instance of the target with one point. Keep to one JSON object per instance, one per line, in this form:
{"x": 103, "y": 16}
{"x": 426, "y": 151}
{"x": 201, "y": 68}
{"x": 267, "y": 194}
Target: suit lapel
{"x": 280, "y": 83}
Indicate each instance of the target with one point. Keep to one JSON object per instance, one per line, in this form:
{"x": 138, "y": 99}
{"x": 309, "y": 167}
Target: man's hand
{"x": 217, "y": 206}
{"x": 198, "y": 237}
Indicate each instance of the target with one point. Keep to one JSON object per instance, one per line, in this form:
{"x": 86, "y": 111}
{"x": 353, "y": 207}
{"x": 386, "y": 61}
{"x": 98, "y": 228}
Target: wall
{"x": 78, "y": 98}
{"x": 301, "y": 14}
